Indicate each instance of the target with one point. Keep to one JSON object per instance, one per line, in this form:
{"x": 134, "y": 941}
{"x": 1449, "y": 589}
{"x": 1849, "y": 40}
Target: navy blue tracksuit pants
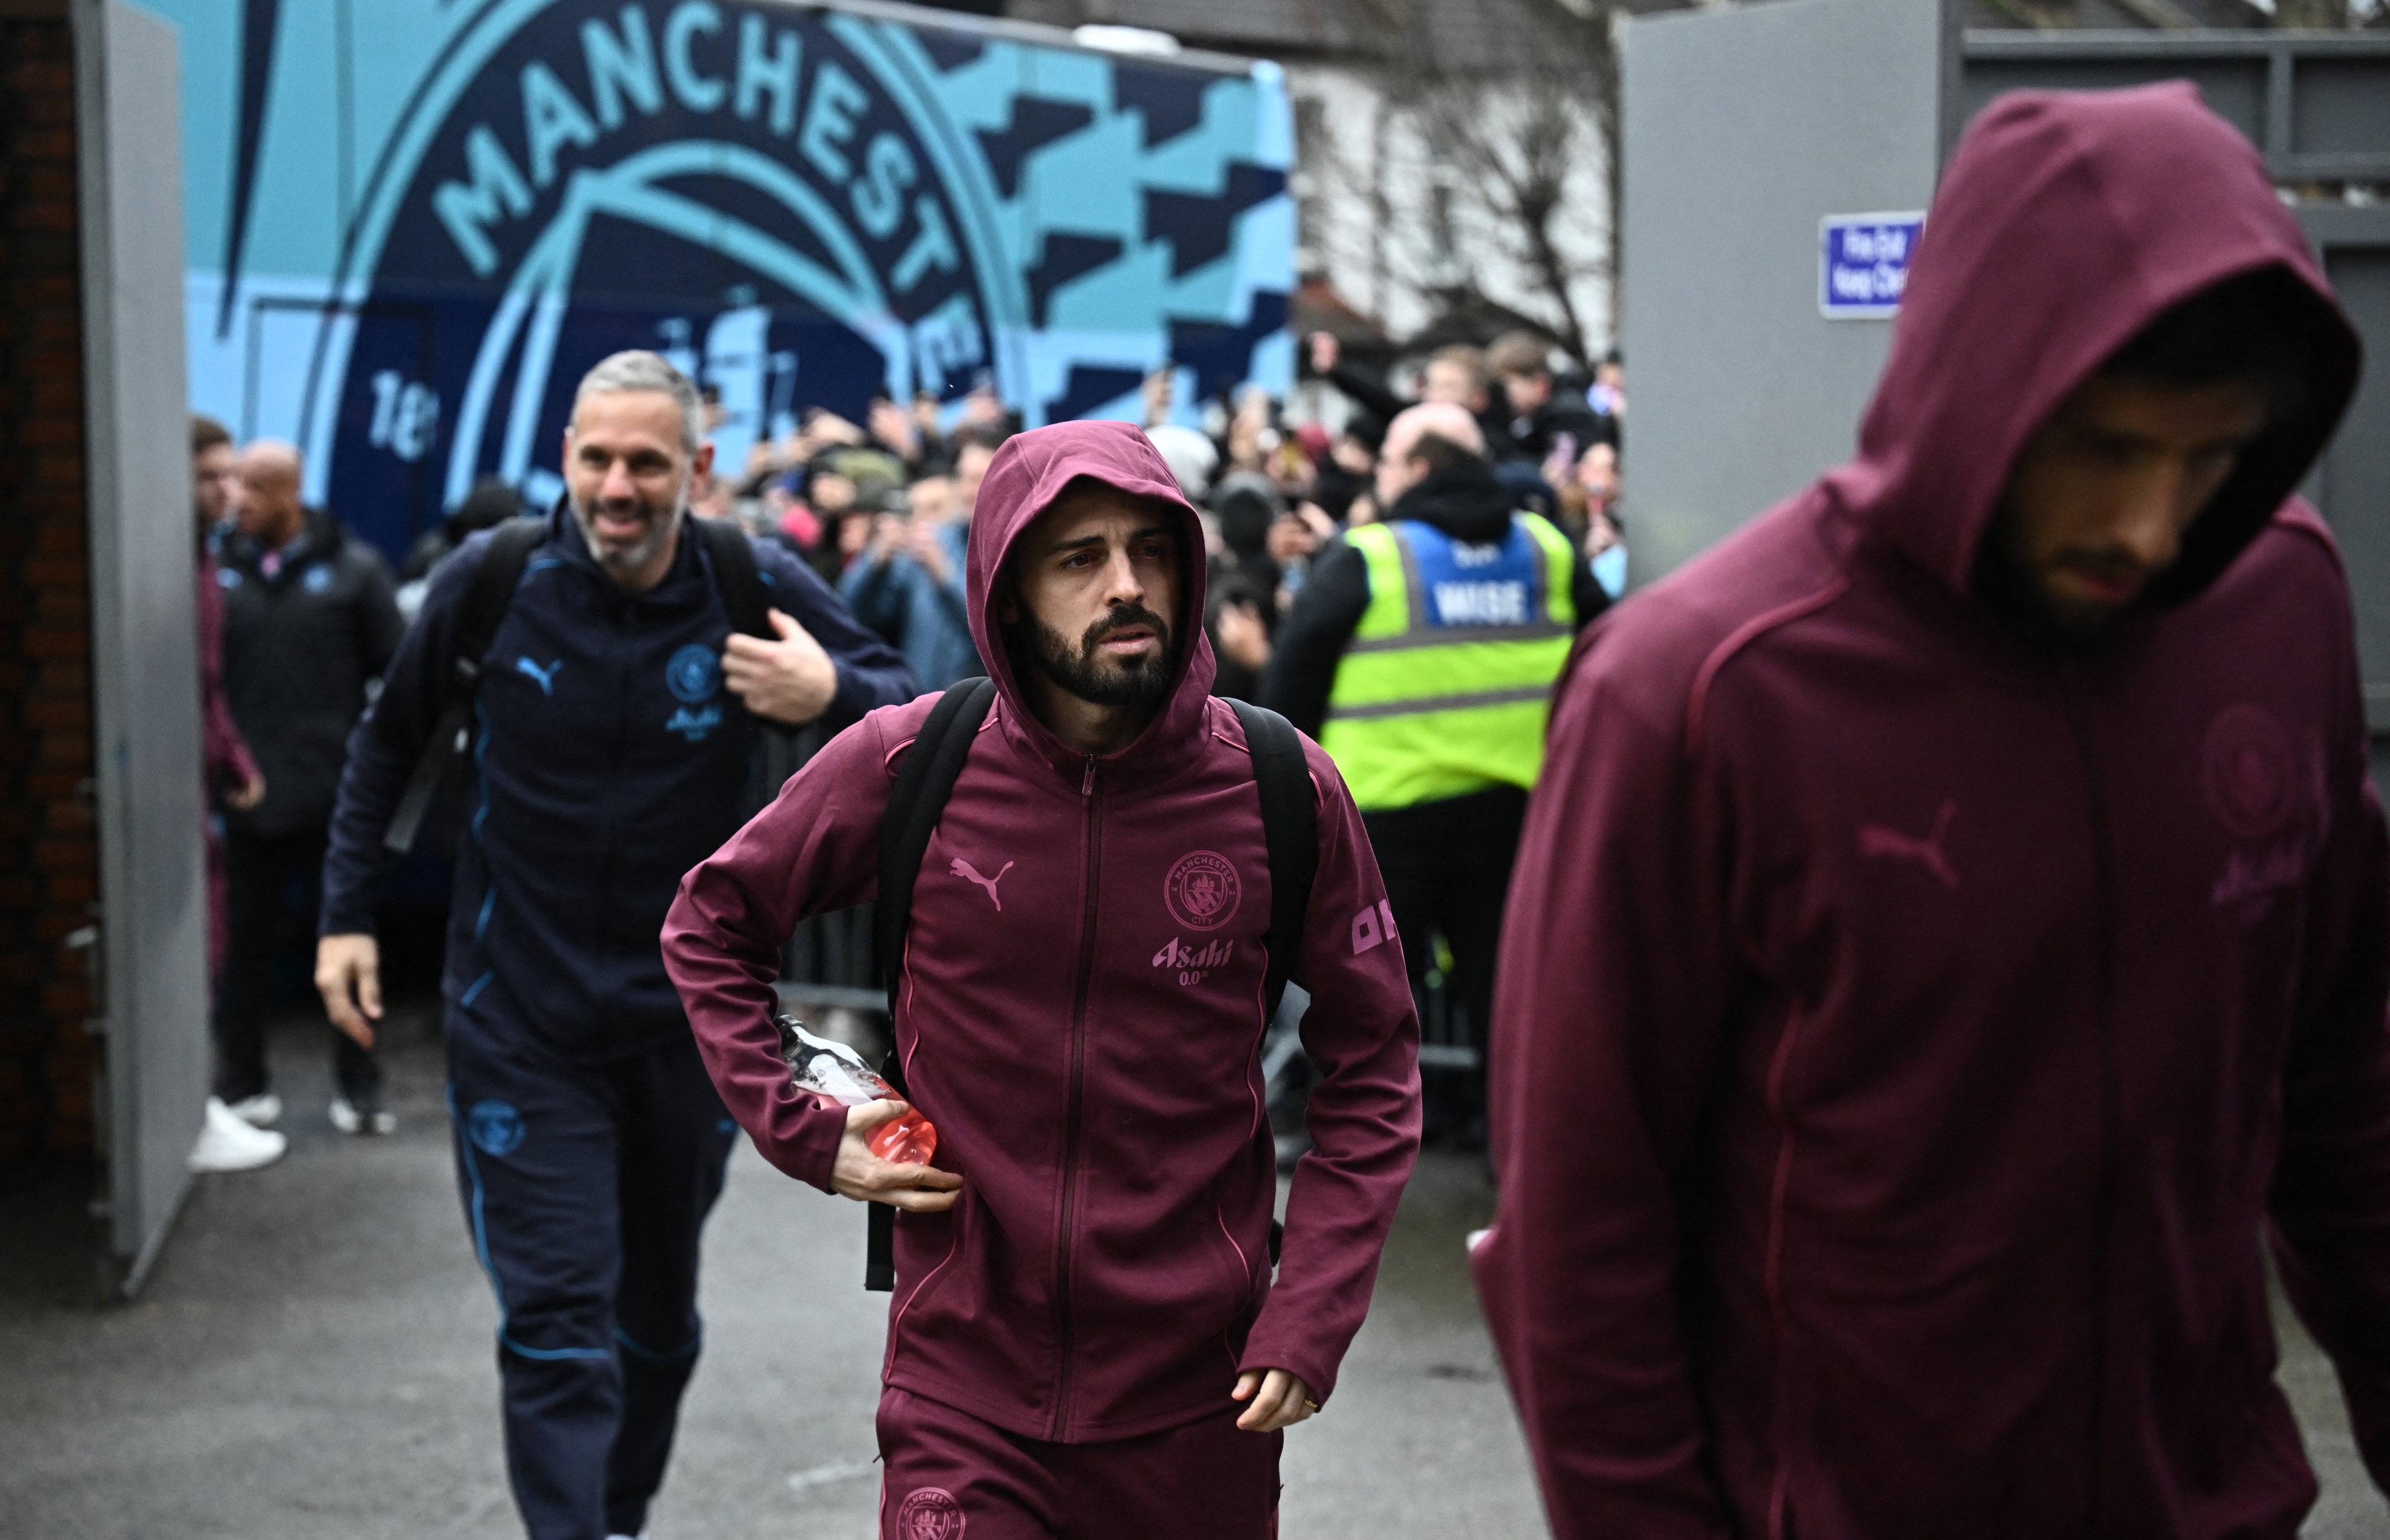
{"x": 586, "y": 1186}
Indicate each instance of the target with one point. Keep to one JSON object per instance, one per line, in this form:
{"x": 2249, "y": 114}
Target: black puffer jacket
{"x": 298, "y": 648}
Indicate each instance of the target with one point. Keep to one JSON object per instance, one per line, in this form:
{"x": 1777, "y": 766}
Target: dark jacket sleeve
{"x": 1586, "y": 592}
{"x": 1619, "y": 970}
{"x": 380, "y": 625}
{"x": 1310, "y": 642}
{"x": 385, "y": 743}
{"x": 230, "y": 765}
{"x": 1367, "y": 391}
{"x": 950, "y": 592}
{"x": 1362, "y": 1032}
{"x": 872, "y": 592}
{"x": 816, "y": 847}
{"x": 2330, "y": 1199}
{"x": 870, "y": 673}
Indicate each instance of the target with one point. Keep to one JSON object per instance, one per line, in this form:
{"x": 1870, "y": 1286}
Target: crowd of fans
{"x": 882, "y": 508}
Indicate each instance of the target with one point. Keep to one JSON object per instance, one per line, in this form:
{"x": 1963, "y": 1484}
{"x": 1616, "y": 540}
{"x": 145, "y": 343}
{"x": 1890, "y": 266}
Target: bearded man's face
{"x": 1095, "y": 594}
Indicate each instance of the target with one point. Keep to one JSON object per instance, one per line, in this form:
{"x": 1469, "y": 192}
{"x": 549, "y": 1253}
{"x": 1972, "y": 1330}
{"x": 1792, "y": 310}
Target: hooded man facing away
{"x": 1952, "y": 924}
{"x": 1084, "y": 1291}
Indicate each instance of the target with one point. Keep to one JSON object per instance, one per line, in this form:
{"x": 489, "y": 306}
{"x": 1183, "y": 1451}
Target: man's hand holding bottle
{"x": 862, "y": 1176}
{"x": 884, "y": 1155}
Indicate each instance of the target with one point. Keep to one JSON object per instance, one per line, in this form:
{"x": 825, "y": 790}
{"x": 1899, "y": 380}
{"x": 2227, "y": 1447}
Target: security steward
{"x": 613, "y": 717}
{"x": 1421, "y": 654}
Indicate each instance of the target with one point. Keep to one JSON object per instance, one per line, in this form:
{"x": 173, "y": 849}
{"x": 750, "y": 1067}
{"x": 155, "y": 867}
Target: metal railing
{"x": 832, "y": 959}
{"x": 2312, "y": 102}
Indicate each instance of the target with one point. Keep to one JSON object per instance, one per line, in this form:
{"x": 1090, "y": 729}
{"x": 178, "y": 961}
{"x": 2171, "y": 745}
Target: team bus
{"x": 412, "y": 225}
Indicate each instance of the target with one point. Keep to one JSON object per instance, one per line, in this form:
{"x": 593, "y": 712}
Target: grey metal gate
{"x": 1743, "y": 129}
{"x": 151, "y": 937}
{"x": 2353, "y": 485}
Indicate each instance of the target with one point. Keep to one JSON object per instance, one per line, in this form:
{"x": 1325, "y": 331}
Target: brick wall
{"x": 49, "y": 855}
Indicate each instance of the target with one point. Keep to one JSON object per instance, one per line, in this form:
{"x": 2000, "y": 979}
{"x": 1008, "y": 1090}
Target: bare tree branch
{"x": 1511, "y": 98}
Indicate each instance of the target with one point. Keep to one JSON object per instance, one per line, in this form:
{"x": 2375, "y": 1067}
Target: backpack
{"x": 1289, "y": 832}
{"x": 735, "y": 578}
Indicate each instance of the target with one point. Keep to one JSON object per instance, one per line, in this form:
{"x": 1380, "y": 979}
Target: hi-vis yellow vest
{"x": 1445, "y": 685}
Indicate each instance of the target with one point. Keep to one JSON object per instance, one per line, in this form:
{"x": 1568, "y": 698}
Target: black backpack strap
{"x": 736, "y": 576}
{"x": 924, "y": 782}
{"x": 1289, "y": 829}
{"x": 477, "y": 626}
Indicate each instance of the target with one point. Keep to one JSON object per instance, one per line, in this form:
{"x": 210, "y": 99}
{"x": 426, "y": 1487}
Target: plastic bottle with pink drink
{"x": 838, "y": 1074}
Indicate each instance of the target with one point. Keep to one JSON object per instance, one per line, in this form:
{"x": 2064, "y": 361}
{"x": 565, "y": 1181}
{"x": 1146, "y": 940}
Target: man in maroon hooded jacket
{"x": 1084, "y": 1289}
{"x": 1951, "y": 926}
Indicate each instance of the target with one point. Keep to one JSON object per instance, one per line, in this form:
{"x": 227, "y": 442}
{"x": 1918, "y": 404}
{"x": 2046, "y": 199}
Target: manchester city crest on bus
{"x": 751, "y": 191}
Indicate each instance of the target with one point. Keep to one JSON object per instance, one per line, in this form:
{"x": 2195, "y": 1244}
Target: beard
{"x": 624, "y": 560}
{"x": 2009, "y": 580}
{"x": 1142, "y": 683}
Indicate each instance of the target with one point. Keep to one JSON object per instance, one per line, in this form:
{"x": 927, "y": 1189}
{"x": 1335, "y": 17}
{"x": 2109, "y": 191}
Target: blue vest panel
{"x": 1465, "y": 584}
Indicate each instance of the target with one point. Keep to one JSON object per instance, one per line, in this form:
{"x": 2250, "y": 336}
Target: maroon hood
{"x": 1028, "y": 473}
{"x": 2066, "y": 223}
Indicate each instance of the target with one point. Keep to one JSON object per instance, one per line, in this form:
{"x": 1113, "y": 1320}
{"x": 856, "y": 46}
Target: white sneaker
{"x": 261, "y": 1110}
{"x": 227, "y": 1142}
{"x": 348, "y": 1120}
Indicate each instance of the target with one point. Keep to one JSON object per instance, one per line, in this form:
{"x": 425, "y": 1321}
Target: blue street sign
{"x": 1863, "y": 263}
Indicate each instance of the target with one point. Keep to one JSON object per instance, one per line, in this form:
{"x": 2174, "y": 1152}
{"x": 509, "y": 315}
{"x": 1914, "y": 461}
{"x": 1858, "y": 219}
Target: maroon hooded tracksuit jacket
{"x": 1079, "y": 1011}
{"x": 1905, "y": 1032}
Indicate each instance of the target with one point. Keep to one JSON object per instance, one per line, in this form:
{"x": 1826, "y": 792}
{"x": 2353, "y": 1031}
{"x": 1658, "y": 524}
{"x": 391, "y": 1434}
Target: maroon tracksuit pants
{"x": 950, "y": 1476}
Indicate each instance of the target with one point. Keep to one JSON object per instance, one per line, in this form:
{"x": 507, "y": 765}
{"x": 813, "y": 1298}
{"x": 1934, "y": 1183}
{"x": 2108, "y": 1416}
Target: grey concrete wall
{"x": 1743, "y": 129}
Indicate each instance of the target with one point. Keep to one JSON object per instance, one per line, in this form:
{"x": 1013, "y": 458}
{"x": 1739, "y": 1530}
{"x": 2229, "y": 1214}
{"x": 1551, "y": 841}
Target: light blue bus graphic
{"x": 413, "y": 223}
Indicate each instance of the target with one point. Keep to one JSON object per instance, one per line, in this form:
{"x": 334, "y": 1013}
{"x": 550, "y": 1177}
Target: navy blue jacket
{"x": 607, "y": 759}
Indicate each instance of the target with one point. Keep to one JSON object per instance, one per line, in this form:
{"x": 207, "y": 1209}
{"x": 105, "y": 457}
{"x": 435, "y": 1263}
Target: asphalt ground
{"x": 313, "y": 1358}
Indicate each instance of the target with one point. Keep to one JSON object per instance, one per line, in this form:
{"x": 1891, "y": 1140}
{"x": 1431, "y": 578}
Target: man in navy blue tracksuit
{"x": 614, "y": 717}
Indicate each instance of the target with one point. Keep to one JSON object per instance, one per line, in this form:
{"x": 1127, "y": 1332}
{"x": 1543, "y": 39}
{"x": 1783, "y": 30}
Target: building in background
{"x": 1455, "y": 158}
{"x": 1450, "y": 156}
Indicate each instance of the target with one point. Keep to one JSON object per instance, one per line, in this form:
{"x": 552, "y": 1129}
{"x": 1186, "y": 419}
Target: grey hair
{"x": 637, "y": 369}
